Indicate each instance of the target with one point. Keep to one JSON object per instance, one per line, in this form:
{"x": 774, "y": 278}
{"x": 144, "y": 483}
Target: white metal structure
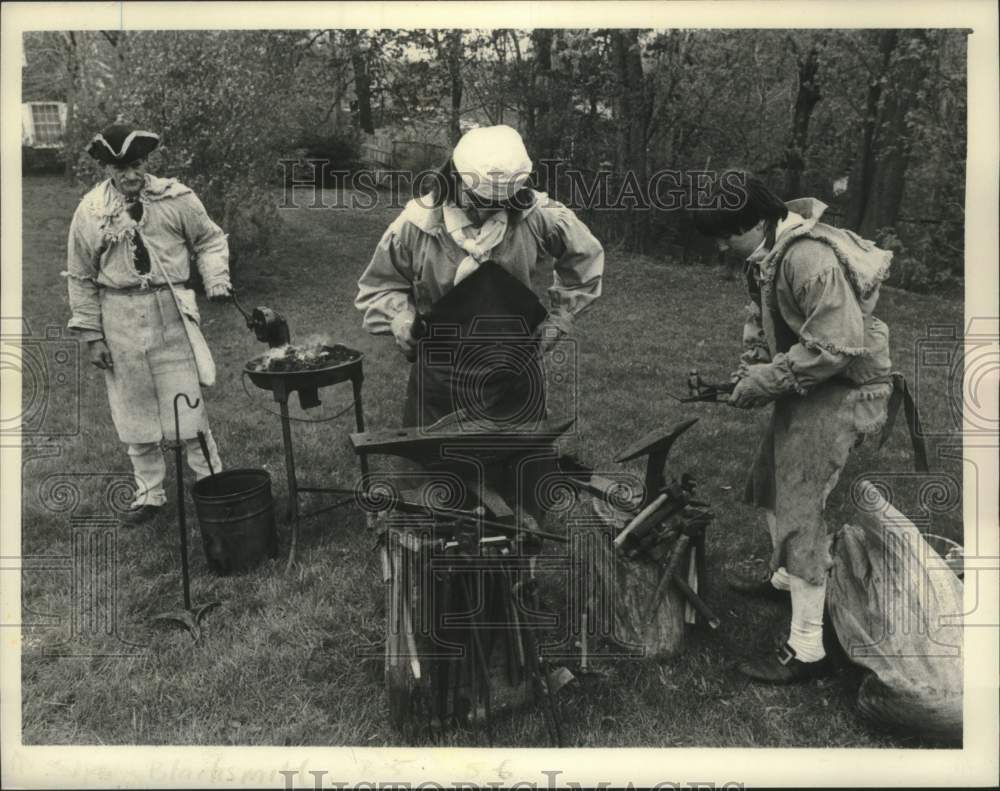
{"x": 43, "y": 124}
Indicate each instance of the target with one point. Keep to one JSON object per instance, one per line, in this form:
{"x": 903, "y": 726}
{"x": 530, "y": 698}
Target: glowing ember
{"x": 306, "y": 357}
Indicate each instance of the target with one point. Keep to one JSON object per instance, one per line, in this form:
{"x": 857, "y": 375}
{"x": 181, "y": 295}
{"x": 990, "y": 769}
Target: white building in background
{"x": 43, "y": 124}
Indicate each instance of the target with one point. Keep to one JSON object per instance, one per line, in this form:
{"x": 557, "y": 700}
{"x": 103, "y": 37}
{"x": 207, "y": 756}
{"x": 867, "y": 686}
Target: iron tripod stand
{"x": 346, "y": 496}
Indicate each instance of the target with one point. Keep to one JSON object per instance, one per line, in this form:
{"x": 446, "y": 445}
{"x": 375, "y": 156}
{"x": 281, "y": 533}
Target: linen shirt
{"x": 174, "y": 225}
{"x": 417, "y": 245}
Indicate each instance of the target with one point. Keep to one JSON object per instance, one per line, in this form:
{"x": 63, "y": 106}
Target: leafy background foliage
{"x": 881, "y": 113}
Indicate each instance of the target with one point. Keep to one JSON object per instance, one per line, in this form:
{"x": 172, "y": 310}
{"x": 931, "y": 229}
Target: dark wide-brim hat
{"x": 121, "y": 143}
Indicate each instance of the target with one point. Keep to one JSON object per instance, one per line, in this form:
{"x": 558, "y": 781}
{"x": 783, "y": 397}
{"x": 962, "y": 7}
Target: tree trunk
{"x": 863, "y": 172}
{"x": 539, "y": 130}
{"x": 895, "y": 141}
{"x": 362, "y": 83}
{"x": 805, "y": 101}
{"x": 499, "y": 39}
{"x": 455, "y": 52}
{"x": 632, "y": 110}
{"x": 879, "y": 176}
{"x": 521, "y": 97}
{"x": 71, "y": 135}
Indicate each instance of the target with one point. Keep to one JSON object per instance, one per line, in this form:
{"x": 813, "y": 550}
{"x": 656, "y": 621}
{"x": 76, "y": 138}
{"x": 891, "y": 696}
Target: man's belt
{"x": 901, "y": 397}
{"x": 143, "y": 289}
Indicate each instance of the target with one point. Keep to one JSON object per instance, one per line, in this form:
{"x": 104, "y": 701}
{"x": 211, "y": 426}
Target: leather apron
{"x": 479, "y": 354}
{"x": 480, "y": 358}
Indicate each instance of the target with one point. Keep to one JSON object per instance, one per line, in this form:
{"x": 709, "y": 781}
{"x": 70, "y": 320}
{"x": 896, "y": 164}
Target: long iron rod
{"x": 460, "y": 515}
{"x": 179, "y": 474}
{"x": 183, "y": 525}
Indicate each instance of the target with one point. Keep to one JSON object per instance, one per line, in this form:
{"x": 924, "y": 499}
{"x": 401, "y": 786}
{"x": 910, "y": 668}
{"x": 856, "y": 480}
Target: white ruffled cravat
{"x": 478, "y": 243}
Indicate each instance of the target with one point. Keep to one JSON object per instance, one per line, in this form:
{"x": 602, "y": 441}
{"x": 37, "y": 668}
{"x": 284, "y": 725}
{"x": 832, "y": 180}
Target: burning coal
{"x": 314, "y": 353}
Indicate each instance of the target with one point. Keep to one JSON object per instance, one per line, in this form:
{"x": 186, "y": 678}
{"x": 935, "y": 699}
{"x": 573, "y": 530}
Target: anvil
{"x": 656, "y": 444}
{"x": 491, "y": 441}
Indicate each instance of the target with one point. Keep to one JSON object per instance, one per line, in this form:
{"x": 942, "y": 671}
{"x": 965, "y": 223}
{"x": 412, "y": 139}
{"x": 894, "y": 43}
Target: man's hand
{"x": 748, "y": 394}
{"x": 100, "y": 355}
{"x": 219, "y": 293}
{"x": 402, "y": 331}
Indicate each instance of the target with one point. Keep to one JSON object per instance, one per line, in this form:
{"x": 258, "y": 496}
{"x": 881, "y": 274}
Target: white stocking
{"x": 806, "y": 633}
{"x": 781, "y": 579}
{"x": 149, "y": 469}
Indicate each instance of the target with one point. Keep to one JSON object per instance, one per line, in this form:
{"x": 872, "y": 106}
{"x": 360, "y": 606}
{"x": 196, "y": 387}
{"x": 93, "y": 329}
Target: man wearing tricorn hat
{"x": 128, "y": 260}
{"x": 815, "y": 350}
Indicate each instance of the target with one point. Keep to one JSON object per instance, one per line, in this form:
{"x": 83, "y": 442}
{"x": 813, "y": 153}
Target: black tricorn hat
{"x": 120, "y": 143}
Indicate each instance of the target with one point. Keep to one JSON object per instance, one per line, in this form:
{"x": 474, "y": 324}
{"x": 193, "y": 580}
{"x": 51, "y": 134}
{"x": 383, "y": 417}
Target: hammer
{"x": 422, "y": 301}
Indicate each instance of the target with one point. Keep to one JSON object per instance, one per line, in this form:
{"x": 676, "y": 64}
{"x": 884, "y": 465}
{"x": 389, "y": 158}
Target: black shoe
{"x": 140, "y": 515}
{"x": 755, "y": 583}
{"x": 781, "y": 667}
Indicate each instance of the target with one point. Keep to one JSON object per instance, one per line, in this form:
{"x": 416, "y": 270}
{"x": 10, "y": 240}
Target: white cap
{"x": 492, "y": 162}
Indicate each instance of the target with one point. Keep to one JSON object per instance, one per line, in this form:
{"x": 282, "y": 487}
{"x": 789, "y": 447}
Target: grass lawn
{"x": 278, "y": 663}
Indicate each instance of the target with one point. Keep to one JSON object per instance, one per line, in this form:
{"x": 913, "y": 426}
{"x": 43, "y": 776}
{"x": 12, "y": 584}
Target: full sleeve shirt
{"x": 417, "y": 245}
{"x": 816, "y": 302}
{"x": 101, "y": 247}
{"x": 815, "y": 292}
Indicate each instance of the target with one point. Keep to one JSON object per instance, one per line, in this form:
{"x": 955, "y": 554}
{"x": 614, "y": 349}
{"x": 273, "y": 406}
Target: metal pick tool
{"x": 190, "y": 617}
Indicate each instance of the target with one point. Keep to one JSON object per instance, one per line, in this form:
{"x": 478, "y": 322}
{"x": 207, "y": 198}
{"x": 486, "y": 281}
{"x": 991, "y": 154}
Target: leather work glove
{"x": 402, "y": 331}
{"x": 100, "y": 355}
{"x": 741, "y": 371}
{"x": 219, "y": 293}
{"x": 748, "y": 394}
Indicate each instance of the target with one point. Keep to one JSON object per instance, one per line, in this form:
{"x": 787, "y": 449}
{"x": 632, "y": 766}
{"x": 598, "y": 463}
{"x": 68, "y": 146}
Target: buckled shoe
{"x": 782, "y": 667}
